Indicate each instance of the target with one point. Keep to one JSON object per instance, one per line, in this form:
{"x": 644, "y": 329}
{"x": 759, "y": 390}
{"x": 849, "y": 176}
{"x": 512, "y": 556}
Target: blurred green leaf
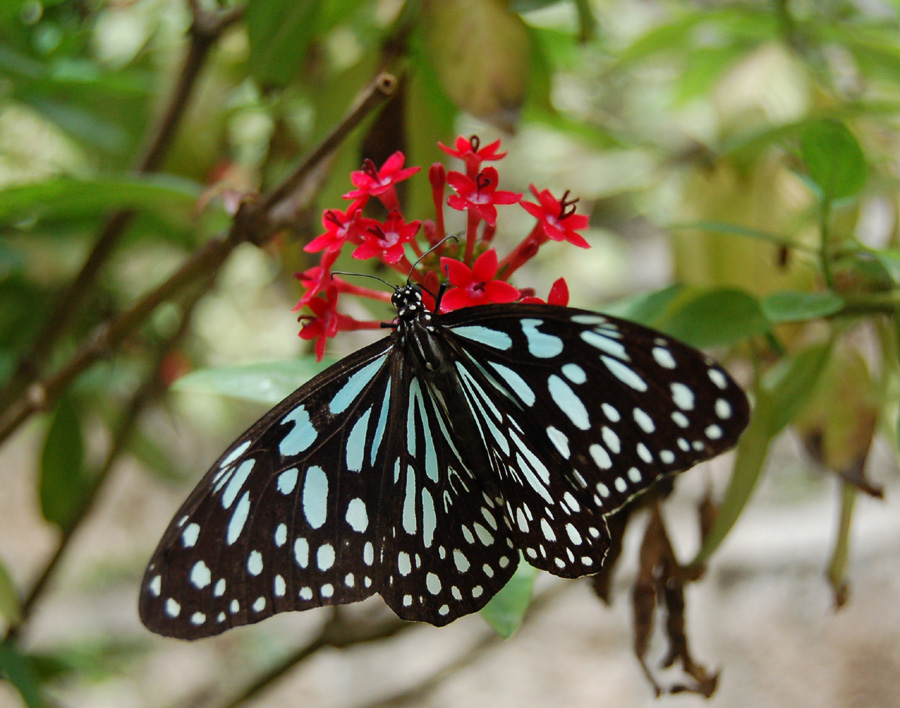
{"x": 506, "y": 610}
{"x": 750, "y": 456}
{"x": 63, "y": 483}
{"x": 481, "y": 54}
{"x": 646, "y": 308}
{"x": 10, "y": 602}
{"x": 91, "y": 658}
{"x": 152, "y": 455}
{"x": 791, "y": 306}
{"x": 834, "y": 159}
{"x": 716, "y": 318}
{"x": 68, "y": 197}
{"x": 267, "y": 383}
{"x": 280, "y": 32}
{"x": 783, "y": 392}
{"x": 789, "y": 384}
{"x": 17, "y": 668}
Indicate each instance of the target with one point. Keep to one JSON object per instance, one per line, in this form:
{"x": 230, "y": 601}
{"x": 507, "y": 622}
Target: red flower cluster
{"x": 475, "y": 273}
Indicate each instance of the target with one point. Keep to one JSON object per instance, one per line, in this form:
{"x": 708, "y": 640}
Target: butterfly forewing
{"x": 421, "y": 466}
{"x": 284, "y": 520}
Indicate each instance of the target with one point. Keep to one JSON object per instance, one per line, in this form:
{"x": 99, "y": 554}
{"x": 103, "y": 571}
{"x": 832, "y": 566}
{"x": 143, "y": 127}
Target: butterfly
{"x": 423, "y": 467}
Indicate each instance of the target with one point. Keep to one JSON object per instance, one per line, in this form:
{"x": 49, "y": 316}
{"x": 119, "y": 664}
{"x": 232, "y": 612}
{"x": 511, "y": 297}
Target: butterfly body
{"x": 421, "y": 466}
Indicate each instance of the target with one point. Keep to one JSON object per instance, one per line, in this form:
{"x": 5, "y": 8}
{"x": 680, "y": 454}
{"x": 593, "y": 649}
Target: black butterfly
{"x": 421, "y": 466}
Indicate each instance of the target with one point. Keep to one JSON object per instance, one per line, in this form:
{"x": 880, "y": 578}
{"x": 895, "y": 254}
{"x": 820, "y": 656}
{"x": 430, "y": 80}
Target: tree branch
{"x": 254, "y": 222}
{"x": 205, "y": 31}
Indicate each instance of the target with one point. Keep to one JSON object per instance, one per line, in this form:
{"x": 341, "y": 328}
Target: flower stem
{"x": 471, "y": 234}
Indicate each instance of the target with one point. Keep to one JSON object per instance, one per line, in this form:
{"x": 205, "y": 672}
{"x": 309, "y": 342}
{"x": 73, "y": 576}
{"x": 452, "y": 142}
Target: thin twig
{"x": 337, "y": 633}
{"x": 252, "y": 223}
{"x": 205, "y": 30}
{"x": 416, "y": 694}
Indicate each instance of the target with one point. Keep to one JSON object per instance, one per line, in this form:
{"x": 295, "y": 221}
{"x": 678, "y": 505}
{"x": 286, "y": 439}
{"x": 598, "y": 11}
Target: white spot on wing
{"x": 355, "y": 384}
{"x": 200, "y": 575}
{"x": 605, "y": 344}
{"x": 190, "y": 535}
{"x": 483, "y": 335}
{"x": 682, "y": 396}
{"x": 357, "y": 516}
{"x": 516, "y": 383}
{"x": 540, "y": 344}
{"x": 624, "y": 373}
{"x": 287, "y": 480}
{"x": 664, "y": 357}
{"x": 301, "y": 435}
{"x": 356, "y": 443}
{"x": 238, "y": 519}
{"x": 236, "y": 482}
{"x": 568, "y": 402}
{"x": 315, "y": 497}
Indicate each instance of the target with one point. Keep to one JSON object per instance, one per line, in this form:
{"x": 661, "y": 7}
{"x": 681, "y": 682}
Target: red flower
{"x": 559, "y": 295}
{"x": 557, "y": 217}
{"x": 386, "y": 240}
{"x": 475, "y": 285}
{"x": 471, "y": 152}
{"x": 375, "y": 182}
{"x": 316, "y": 279}
{"x": 325, "y": 322}
{"x": 339, "y": 227}
{"x": 479, "y": 194}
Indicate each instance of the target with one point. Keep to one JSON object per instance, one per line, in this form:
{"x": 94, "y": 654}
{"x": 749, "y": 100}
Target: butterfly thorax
{"x": 418, "y": 330}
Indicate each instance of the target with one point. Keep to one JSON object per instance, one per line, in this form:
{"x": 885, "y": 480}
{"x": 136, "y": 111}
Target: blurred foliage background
{"x": 159, "y": 176}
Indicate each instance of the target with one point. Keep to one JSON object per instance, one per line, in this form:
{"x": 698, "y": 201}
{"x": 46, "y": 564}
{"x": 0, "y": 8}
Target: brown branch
{"x": 253, "y": 222}
{"x": 204, "y": 32}
{"x": 337, "y": 633}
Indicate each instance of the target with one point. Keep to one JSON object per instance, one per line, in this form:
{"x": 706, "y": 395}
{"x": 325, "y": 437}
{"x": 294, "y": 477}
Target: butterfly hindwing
{"x": 593, "y": 410}
{"x": 447, "y": 550}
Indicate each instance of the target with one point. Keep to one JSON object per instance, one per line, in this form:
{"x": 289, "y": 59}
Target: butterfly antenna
{"x": 428, "y": 253}
{"x": 363, "y": 275}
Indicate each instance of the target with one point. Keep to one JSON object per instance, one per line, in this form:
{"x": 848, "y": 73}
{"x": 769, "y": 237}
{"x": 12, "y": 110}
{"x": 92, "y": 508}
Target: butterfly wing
{"x": 285, "y": 519}
{"x": 583, "y": 411}
{"x": 352, "y": 485}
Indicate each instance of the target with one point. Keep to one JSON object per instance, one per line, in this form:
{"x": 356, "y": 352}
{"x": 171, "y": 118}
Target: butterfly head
{"x": 409, "y": 303}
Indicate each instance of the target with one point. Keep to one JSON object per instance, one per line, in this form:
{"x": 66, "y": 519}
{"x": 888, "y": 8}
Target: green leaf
{"x": 69, "y": 197}
{"x": 716, "y": 318}
{"x": 749, "y": 459}
{"x": 647, "y": 308}
{"x": 783, "y": 392}
{"x": 791, "y": 382}
{"x": 266, "y": 383}
{"x": 506, "y": 610}
{"x": 10, "y": 602}
{"x": 792, "y": 306}
{"x": 63, "y": 484}
{"x": 18, "y": 670}
{"x": 481, "y": 54}
{"x": 279, "y": 32}
{"x": 834, "y": 159}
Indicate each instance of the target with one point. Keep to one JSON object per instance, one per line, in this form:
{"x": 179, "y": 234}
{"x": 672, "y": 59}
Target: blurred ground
{"x": 763, "y": 615}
